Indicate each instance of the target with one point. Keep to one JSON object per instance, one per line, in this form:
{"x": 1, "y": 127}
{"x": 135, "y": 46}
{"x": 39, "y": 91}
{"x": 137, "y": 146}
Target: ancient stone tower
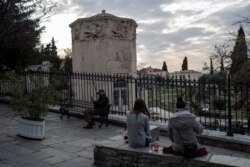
{"x": 104, "y": 43}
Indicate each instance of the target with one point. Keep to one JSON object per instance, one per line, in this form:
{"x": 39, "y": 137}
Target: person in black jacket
{"x": 101, "y": 108}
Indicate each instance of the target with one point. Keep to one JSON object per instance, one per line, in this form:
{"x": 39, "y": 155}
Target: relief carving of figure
{"x": 121, "y": 30}
{"x": 93, "y": 31}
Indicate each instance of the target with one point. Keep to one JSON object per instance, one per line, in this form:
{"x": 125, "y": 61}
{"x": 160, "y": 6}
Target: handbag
{"x": 189, "y": 149}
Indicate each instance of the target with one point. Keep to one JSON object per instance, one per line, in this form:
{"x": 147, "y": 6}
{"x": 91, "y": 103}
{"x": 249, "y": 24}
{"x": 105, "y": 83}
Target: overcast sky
{"x": 168, "y": 30}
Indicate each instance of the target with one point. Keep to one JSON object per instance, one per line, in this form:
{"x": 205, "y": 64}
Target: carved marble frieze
{"x": 103, "y": 29}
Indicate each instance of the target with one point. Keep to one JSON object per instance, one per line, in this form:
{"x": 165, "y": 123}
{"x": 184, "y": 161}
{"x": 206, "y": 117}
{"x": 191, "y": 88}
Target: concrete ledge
{"x": 115, "y": 152}
{"x": 220, "y": 139}
{"x": 154, "y": 132}
{"x": 208, "y": 137}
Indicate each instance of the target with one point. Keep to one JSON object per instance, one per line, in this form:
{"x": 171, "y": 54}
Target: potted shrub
{"x": 32, "y": 101}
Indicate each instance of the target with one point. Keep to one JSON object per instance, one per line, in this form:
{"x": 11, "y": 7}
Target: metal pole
{"x": 135, "y": 88}
{"x": 229, "y": 131}
{"x": 70, "y": 85}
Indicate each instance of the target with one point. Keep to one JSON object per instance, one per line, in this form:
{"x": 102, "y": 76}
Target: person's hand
{"x": 92, "y": 99}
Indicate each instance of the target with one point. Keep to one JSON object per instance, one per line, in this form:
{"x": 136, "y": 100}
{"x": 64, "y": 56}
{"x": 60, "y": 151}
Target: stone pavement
{"x": 66, "y": 143}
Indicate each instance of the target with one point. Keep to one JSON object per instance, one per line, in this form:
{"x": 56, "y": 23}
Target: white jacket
{"x": 183, "y": 127}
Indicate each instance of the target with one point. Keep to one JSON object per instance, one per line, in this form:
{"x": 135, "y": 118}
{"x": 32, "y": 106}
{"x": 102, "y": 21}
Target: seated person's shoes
{"x": 170, "y": 150}
{"x": 88, "y": 127}
{"x": 201, "y": 151}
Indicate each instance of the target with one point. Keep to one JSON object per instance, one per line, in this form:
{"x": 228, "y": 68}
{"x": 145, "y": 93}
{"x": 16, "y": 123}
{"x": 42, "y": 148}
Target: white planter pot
{"x": 31, "y": 129}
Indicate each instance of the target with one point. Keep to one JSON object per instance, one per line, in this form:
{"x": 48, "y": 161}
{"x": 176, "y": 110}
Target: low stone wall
{"x": 115, "y": 152}
{"x": 220, "y": 139}
{"x": 208, "y": 137}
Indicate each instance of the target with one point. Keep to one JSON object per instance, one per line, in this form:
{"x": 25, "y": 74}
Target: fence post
{"x": 135, "y": 88}
{"x": 70, "y": 85}
{"x": 25, "y": 82}
{"x": 229, "y": 131}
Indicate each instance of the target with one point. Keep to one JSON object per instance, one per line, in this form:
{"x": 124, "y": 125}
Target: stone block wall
{"x": 118, "y": 154}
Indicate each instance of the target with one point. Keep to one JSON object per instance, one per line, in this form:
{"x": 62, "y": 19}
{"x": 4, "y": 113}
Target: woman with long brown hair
{"x": 138, "y": 125}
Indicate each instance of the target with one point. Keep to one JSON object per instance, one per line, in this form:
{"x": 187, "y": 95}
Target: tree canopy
{"x": 49, "y": 53}
{"x": 20, "y": 31}
{"x": 239, "y": 54}
{"x": 222, "y": 56}
{"x": 243, "y": 75}
{"x": 68, "y": 61}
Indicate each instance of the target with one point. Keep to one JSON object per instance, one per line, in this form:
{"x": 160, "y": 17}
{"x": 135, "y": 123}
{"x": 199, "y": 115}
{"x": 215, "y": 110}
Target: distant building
{"x": 186, "y": 74}
{"x": 153, "y": 72}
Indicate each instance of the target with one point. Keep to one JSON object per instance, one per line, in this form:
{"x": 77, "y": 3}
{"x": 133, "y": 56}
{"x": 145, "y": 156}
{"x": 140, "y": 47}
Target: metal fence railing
{"x": 223, "y": 106}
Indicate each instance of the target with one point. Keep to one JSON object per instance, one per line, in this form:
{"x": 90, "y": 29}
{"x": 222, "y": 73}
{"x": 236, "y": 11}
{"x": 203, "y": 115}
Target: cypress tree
{"x": 185, "y": 64}
{"x": 53, "y": 48}
{"x": 211, "y": 67}
{"x": 164, "y": 66}
{"x": 239, "y": 54}
{"x": 221, "y": 64}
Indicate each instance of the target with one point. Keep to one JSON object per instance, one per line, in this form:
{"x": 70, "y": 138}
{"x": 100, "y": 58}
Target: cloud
{"x": 168, "y": 30}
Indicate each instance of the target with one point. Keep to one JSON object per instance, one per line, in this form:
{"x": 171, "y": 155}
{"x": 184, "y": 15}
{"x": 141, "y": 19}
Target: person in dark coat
{"x": 101, "y": 108}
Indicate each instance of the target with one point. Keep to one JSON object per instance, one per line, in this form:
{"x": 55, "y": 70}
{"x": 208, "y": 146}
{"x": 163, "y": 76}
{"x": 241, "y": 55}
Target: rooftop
{"x": 101, "y": 16}
{"x": 186, "y": 72}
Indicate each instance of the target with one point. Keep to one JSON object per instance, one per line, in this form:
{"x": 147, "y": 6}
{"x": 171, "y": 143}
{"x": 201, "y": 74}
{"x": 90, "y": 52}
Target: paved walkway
{"x": 66, "y": 143}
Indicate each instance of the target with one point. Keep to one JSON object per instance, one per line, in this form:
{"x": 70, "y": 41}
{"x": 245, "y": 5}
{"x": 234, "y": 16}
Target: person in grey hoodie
{"x": 138, "y": 125}
{"x": 183, "y": 127}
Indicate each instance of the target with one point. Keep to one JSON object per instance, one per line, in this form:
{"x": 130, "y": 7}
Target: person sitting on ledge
{"x": 182, "y": 128}
{"x": 138, "y": 125}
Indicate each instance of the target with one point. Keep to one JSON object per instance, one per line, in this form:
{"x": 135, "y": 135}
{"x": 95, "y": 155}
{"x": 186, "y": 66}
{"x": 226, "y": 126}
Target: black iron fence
{"x": 223, "y": 106}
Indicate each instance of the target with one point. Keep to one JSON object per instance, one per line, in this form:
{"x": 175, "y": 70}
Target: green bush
{"x": 33, "y": 105}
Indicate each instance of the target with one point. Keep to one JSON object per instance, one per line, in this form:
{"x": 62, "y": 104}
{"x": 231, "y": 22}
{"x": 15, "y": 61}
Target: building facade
{"x": 104, "y": 43}
{"x": 186, "y": 74}
{"x": 154, "y": 72}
